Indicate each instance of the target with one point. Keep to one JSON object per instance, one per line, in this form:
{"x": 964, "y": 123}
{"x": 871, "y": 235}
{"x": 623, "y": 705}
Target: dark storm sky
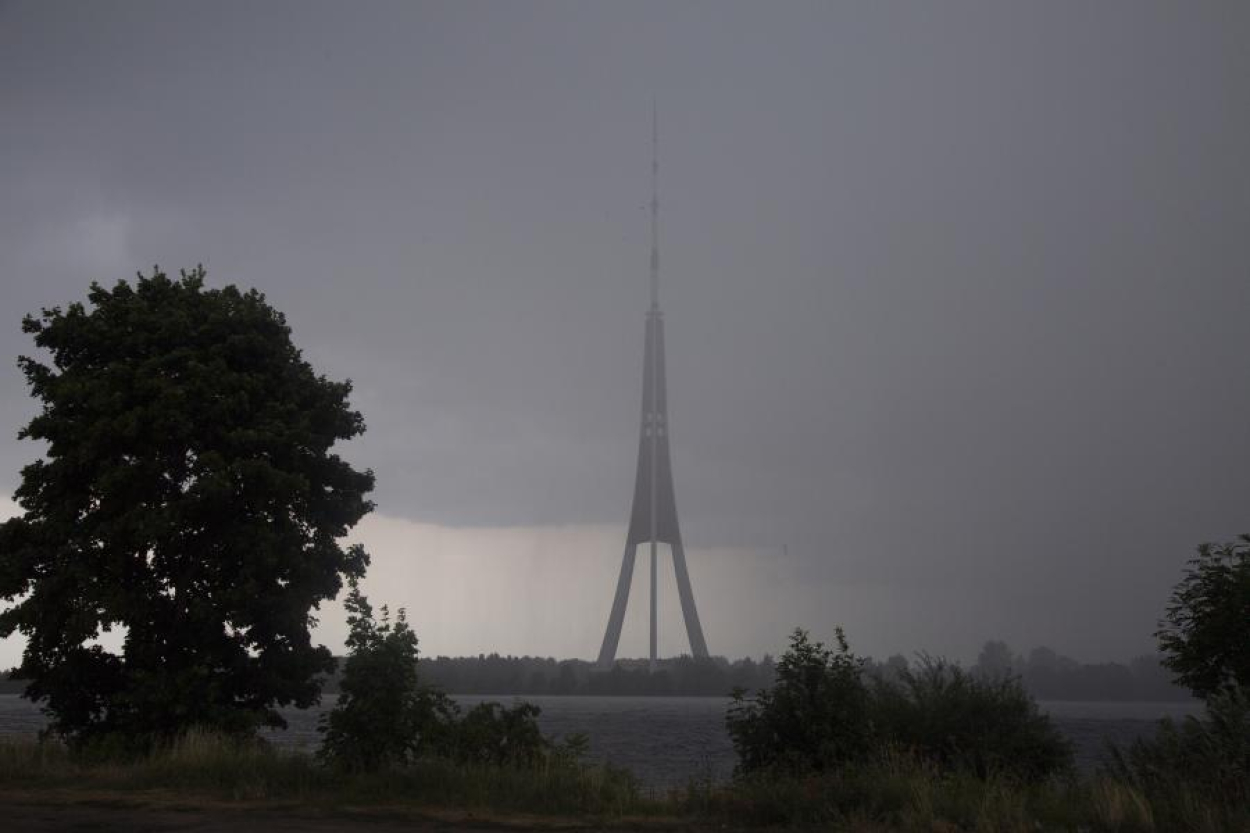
{"x": 957, "y": 293}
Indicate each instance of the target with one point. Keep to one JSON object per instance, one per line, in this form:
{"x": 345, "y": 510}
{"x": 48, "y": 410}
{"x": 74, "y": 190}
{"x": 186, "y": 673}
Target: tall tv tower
{"x": 653, "y": 518}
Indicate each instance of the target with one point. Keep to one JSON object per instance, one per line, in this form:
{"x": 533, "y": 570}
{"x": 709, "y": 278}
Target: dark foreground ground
{"x": 51, "y": 812}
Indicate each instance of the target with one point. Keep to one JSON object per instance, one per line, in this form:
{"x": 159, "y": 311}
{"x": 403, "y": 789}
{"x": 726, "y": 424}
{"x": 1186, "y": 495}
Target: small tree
{"x": 188, "y": 496}
{"x": 815, "y": 717}
{"x": 1205, "y": 637}
{"x": 383, "y": 717}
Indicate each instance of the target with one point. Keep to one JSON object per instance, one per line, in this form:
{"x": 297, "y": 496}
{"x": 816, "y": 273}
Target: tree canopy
{"x": 1205, "y": 636}
{"x": 187, "y": 497}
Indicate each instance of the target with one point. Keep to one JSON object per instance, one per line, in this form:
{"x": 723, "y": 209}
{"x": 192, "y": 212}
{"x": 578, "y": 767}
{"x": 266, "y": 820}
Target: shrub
{"x": 492, "y": 734}
{"x": 383, "y": 717}
{"x": 958, "y": 720}
{"x": 815, "y": 717}
{"x": 824, "y": 712}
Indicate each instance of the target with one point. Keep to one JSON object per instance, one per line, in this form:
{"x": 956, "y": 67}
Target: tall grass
{"x": 894, "y": 791}
{"x": 1195, "y": 773}
{"x": 200, "y": 763}
{"x": 899, "y": 792}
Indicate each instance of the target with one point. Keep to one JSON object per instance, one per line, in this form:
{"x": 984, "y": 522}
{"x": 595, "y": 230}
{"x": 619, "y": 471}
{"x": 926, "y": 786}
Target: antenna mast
{"x": 655, "y": 208}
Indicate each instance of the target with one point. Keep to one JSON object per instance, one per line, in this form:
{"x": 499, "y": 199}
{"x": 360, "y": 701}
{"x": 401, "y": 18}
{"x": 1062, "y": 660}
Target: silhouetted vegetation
{"x": 1048, "y": 675}
{"x": 216, "y": 766}
{"x": 841, "y": 743}
{"x": 1206, "y": 633}
{"x": 384, "y": 716}
{"x": 961, "y": 722}
{"x": 1201, "y": 762}
{"x": 1201, "y": 766}
{"x": 492, "y": 674}
{"x": 825, "y": 712}
{"x": 188, "y": 497}
{"x": 892, "y": 791}
{"x": 815, "y": 717}
{"x": 1043, "y": 673}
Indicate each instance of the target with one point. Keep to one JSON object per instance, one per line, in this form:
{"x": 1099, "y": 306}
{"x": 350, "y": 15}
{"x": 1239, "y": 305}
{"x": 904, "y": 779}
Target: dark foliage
{"x": 1206, "y": 642}
{"x": 189, "y": 497}
{"x": 383, "y": 717}
{"x": 493, "y": 734}
{"x": 1048, "y": 675}
{"x": 1205, "y": 758}
{"x": 1206, "y": 633}
{"x": 493, "y": 674}
{"x": 828, "y": 709}
{"x": 959, "y": 721}
{"x": 815, "y": 717}
{"x": 1044, "y": 674}
{"x": 386, "y": 718}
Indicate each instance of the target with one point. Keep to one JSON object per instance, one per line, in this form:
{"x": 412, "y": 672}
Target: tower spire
{"x": 655, "y": 207}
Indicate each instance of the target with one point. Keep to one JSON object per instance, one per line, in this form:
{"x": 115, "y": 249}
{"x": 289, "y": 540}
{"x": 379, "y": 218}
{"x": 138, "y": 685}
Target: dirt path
{"x": 46, "y": 812}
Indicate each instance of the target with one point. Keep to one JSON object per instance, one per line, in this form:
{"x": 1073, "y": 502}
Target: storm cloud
{"x": 955, "y": 294}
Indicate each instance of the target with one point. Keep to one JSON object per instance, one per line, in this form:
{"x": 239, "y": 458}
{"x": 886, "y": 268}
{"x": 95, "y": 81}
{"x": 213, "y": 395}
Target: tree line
{"x": 1043, "y": 673}
{"x": 1048, "y": 675}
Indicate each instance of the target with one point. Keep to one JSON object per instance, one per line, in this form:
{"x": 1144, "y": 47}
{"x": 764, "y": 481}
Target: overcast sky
{"x": 956, "y": 293}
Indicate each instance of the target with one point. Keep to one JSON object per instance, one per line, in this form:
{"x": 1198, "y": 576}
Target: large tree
{"x": 188, "y": 499}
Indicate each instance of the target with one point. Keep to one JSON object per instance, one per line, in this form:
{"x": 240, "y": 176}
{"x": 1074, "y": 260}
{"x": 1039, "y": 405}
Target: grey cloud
{"x": 956, "y": 294}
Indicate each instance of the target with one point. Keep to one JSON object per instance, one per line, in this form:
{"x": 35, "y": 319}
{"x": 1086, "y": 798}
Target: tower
{"x": 653, "y": 518}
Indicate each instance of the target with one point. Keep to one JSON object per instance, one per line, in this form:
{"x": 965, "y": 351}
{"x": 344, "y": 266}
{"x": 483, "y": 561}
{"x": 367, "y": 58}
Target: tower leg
{"x": 694, "y": 630}
{"x": 612, "y": 637}
{"x": 655, "y": 616}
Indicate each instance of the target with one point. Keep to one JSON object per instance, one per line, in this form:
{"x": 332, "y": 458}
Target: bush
{"x": 383, "y": 717}
{"x": 823, "y": 713}
{"x": 960, "y": 721}
{"x": 815, "y": 717}
{"x": 492, "y": 734}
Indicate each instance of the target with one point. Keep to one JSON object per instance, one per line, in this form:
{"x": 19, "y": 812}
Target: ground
{"x": 47, "y": 811}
